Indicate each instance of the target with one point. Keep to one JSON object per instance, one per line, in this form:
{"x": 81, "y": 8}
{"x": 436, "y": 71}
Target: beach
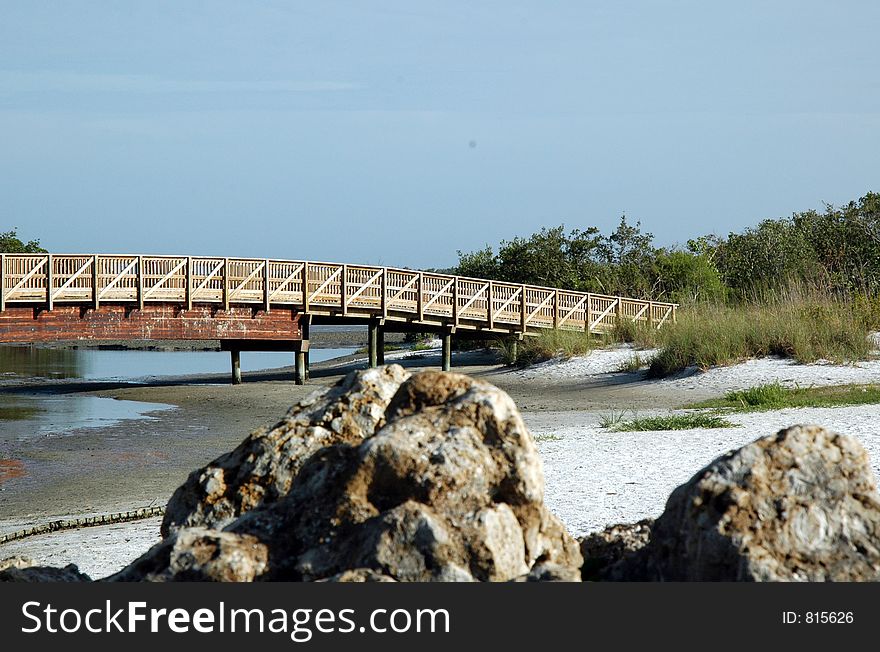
{"x": 594, "y": 477}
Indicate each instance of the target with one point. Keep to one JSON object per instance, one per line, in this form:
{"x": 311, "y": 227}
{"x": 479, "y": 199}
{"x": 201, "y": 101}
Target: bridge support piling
{"x": 514, "y": 348}
{"x": 373, "y": 343}
{"x": 380, "y": 345}
{"x": 299, "y": 375}
{"x": 235, "y": 357}
{"x": 447, "y": 350}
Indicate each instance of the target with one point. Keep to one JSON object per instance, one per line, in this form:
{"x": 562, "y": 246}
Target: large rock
{"x": 799, "y": 505}
{"x": 261, "y": 469}
{"x": 434, "y": 477}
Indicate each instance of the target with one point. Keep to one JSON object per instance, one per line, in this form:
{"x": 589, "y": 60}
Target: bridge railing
{"x": 317, "y": 288}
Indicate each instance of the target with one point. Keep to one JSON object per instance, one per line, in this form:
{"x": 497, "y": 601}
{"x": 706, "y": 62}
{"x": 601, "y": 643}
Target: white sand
{"x": 594, "y": 477}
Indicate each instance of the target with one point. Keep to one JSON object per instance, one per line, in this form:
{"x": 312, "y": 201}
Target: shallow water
{"x": 18, "y": 362}
{"x": 39, "y": 414}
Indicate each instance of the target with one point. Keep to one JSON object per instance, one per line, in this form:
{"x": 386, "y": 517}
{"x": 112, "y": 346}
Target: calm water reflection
{"x": 133, "y": 366}
{"x": 24, "y": 416}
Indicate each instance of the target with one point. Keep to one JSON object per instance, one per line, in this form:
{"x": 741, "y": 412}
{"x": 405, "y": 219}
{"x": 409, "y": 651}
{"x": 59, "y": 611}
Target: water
{"x": 19, "y": 362}
{"x": 42, "y": 413}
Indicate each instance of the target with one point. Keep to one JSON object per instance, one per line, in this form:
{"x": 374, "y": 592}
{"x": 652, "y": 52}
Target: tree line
{"x": 835, "y": 250}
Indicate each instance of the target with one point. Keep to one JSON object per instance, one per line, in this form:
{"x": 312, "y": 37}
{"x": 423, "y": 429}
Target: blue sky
{"x": 396, "y": 133}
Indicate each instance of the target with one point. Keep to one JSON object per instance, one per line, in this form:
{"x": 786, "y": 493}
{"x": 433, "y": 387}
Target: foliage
{"x": 673, "y": 422}
{"x": 774, "y": 396}
{"x": 10, "y": 243}
{"x": 799, "y": 325}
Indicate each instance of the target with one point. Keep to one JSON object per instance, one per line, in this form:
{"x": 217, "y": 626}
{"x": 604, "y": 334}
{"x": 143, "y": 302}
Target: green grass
{"x": 673, "y": 422}
{"x": 803, "y": 328}
{"x": 548, "y": 438}
{"x": 775, "y": 397}
{"x": 17, "y": 413}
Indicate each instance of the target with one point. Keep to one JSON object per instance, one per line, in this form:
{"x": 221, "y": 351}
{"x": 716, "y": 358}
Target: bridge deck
{"x": 329, "y": 290}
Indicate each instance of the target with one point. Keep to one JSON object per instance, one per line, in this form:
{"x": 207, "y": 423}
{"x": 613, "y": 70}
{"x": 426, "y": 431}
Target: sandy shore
{"x": 594, "y": 477}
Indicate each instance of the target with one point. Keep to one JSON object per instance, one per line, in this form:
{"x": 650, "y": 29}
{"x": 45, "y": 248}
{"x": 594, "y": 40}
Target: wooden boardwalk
{"x": 325, "y": 289}
{"x": 94, "y": 296}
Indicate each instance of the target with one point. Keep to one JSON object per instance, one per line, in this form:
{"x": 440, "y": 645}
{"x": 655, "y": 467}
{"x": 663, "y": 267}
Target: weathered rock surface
{"x": 601, "y": 550}
{"x": 429, "y": 477}
{"x": 799, "y": 505}
{"x": 199, "y": 555}
{"x": 261, "y": 469}
{"x": 25, "y": 569}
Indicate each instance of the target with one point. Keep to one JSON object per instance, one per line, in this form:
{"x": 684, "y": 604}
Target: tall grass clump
{"x": 795, "y": 324}
{"x": 548, "y": 344}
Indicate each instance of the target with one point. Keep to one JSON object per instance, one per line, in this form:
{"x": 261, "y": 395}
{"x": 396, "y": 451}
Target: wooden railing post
{"x": 455, "y": 301}
{"x": 266, "y": 285}
{"x": 305, "y": 284}
{"x": 140, "y": 282}
{"x": 2, "y": 282}
{"x": 189, "y": 282}
{"x": 555, "y": 309}
{"x": 49, "y": 279}
{"x": 618, "y": 313}
{"x": 650, "y": 314}
{"x": 383, "y": 287}
{"x": 523, "y": 305}
{"x": 343, "y": 289}
{"x": 420, "y": 298}
{"x": 226, "y": 284}
{"x": 96, "y": 291}
{"x": 490, "y": 312}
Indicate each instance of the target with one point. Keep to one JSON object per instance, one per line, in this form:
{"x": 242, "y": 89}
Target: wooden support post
{"x": 235, "y": 356}
{"x": 299, "y": 375}
{"x": 447, "y": 350}
{"x": 95, "y": 289}
{"x": 49, "y": 282}
{"x": 373, "y": 343}
{"x": 514, "y": 349}
{"x": 555, "y": 309}
{"x": 618, "y": 312}
{"x": 2, "y": 282}
{"x": 522, "y": 305}
{"x": 380, "y": 345}
{"x": 650, "y": 314}
{"x": 305, "y": 327}
{"x": 140, "y": 282}
{"x": 420, "y": 298}
{"x": 189, "y": 282}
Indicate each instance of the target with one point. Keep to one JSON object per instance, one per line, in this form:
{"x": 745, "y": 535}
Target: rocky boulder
{"x": 800, "y": 505}
{"x": 429, "y": 477}
{"x": 261, "y": 469}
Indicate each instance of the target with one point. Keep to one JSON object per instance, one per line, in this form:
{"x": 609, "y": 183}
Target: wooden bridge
{"x": 268, "y": 304}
